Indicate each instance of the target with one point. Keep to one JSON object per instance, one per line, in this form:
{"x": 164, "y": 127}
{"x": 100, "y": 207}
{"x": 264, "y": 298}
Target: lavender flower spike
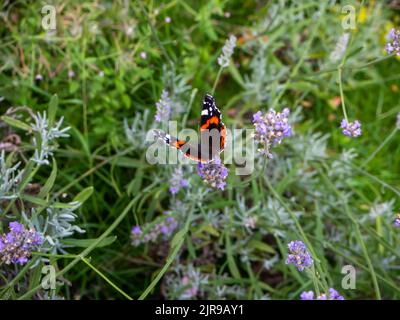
{"x": 334, "y": 295}
{"x": 16, "y": 246}
{"x": 162, "y": 229}
{"x": 307, "y": 295}
{"x": 214, "y": 173}
{"x": 271, "y": 128}
{"x": 177, "y": 182}
{"x": 351, "y": 129}
{"x": 163, "y": 108}
{"x": 299, "y": 255}
{"x": 397, "y": 221}
{"x": 394, "y": 46}
{"x": 331, "y": 295}
{"x": 227, "y": 52}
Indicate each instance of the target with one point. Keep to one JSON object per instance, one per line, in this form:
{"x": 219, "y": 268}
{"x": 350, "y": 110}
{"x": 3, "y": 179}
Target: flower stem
{"x": 95, "y": 243}
{"x": 357, "y": 233}
{"x": 311, "y": 273}
{"x": 384, "y": 142}
{"x": 106, "y": 279}
{"x": 216, "y": 80}
{"x": 171, "y": 257}
{"x": 300, "y": 231}
{"x": 341, "y": 93}
{"x": 155, "y": 36}
{"x": 185, "y": 117}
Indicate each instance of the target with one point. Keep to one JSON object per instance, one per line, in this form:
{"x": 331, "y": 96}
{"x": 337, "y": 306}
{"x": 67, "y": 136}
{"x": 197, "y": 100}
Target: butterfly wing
{"x": 189, "y": 150}
{"x": 212, "y": 135}
{"x": 212, "y": 129}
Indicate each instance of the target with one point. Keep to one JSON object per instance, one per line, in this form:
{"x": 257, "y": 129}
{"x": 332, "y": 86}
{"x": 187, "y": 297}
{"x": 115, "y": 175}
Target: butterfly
{"x": 212, "y": 135}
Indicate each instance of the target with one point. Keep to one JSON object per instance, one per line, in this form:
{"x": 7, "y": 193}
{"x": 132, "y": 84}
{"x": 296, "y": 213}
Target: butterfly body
{"x": 212, "y": 135}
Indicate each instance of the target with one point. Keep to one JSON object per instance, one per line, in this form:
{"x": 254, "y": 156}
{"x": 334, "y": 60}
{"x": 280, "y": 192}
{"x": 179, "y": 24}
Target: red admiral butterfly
{"x": 212, "y": 135}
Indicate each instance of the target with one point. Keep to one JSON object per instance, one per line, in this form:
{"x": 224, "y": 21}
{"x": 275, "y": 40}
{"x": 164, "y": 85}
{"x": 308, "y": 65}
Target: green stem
{"x": 245, "y": 182}
{"x": 93, "y": 169}
{"x": 300, "y": 231}
{"x": 106, "y": 279}
{"x": 383, "y": 143}
{"x": 368, "y": 64}
{"x": 365, "y": 251}
{"x": 216, "y": 80}
{"x": 350, "y": 67}
{"x": 311, "y": 273}
{"x": 341, "y": 93}
{"x": 155, "y": 36}
{"x": 185, "y": 117}
{"x": 93, "y": 246}
{"x": 59, "y": 256}
{"x": 353, "y": 261}
{"x": 20, "y": 274}
{"x": 357, "y": 234}
{"x": 171, "y": 257}
{"x": 367, "y": 174}
{"x": 302, "y": 58}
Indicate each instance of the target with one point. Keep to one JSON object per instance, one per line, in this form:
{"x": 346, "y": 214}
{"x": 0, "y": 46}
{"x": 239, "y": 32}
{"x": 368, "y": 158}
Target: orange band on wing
{"x": 223, "y": 136}
{"x": 178, "y": 143}
{"x": 212, "y": 120}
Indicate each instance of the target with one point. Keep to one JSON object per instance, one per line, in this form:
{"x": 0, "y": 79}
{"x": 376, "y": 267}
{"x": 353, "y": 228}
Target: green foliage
{"x": 109, "y": 61}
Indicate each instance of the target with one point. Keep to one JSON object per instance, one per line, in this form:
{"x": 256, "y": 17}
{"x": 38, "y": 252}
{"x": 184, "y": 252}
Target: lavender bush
{"x": 316, "y": 214}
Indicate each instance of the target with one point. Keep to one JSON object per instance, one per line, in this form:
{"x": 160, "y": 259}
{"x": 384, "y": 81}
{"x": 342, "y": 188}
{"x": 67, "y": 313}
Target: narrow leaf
{"x": 82, "y": 196}
{"x": 16, "y": 123}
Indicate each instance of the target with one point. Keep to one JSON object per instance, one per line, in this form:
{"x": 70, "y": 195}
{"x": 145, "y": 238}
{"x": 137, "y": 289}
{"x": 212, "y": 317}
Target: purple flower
{"x": 392, "y": 34}
{"x": 16, "y": 227}
{"x": 163, "y": 108}
{"x": 136, "y": 230}
{"x": 332, "y": 295}
{"x": 307, "y": 295}
{"x": 136, "y": 235}
{"x": 271, "y": 128}
{"x": 143, "y": 55}
{"x": 16, "y": 246}
{"x": 227, "y": 51}
{"x": 164, "y": 229}
{"x": 394, "y": 46}
{"x": 169, "y": 225}
{"x": 299, "y": 255}
{"x": 177, "y": 182}
{"x": 257, "y": 117}
{"x": 389, "y": 48}
{"x": 397, "y": 221}
{"x": 351, "y": 129}
{"x": 213, "y": 173}
{"x": 152, "y": 232}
